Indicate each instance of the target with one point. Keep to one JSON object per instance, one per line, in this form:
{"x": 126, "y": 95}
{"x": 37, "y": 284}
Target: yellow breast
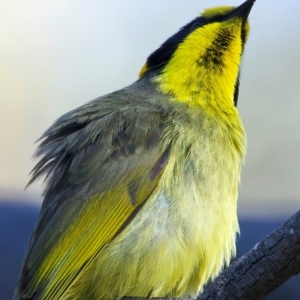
{"x": 186, "y": 231}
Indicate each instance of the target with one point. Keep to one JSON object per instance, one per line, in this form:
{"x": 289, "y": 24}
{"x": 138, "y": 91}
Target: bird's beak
{"x": 242, "y": 11}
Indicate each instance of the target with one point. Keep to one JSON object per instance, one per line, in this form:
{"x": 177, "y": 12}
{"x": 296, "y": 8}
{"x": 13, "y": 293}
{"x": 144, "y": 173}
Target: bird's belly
{"x": 168, "y": 250}
{"x": 184, "y": 233}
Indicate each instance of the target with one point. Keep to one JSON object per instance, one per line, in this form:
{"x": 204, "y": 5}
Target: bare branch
{"x": 261, "y": 270}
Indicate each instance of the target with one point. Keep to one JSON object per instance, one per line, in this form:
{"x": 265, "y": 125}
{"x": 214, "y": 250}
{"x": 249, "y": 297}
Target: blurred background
{"x": 56, "y": 55}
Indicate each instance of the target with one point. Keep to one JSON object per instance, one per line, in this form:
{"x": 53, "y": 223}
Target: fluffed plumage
{"x": 141, "y": 184}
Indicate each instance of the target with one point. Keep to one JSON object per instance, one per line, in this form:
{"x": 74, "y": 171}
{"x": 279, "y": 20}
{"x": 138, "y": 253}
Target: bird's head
{"x": 204, "y": 56}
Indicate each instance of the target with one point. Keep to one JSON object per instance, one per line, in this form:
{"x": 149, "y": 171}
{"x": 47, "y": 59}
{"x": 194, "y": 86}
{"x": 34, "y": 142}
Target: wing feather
{"x": 101, "y": 164}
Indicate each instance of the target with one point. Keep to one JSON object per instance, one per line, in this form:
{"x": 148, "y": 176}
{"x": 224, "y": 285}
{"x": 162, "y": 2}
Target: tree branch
{"x": 261, "y": 270}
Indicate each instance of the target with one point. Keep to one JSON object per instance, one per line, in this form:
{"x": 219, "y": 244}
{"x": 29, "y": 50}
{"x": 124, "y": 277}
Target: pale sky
{"x": 56, "y": 55}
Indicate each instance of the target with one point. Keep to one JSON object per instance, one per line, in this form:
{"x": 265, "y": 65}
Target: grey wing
{"x": 84, "y": 155}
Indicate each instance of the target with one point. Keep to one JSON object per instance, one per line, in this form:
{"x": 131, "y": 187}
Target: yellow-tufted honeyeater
{"x": 141, "y": 184}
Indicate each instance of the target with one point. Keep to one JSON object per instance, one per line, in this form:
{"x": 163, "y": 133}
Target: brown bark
{"x": 261, "y": 270}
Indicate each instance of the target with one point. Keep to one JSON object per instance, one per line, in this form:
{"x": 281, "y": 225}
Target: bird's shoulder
{"x": 111, "y": 127}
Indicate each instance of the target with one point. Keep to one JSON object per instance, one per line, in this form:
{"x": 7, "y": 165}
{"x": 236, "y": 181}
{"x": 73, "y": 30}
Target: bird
{"x": 141, "y": 185}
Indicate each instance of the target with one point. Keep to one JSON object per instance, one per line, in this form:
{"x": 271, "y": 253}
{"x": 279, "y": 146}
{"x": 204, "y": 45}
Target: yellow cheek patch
{"x": 143, "y": 70}
{"x": 216, "y": 11}
{"x": 208, "y": 57}
{"x": 222, "y": 10}
{"x": 215, "y": 33}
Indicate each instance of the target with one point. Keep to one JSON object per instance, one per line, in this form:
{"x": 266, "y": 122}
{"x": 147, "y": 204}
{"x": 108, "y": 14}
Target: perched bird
{"x": 141, "y": 184}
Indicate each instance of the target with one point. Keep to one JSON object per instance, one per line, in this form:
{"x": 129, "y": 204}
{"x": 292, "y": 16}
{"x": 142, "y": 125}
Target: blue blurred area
{"x": 252, "y": 232}
{"x": 17, "y": 221}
